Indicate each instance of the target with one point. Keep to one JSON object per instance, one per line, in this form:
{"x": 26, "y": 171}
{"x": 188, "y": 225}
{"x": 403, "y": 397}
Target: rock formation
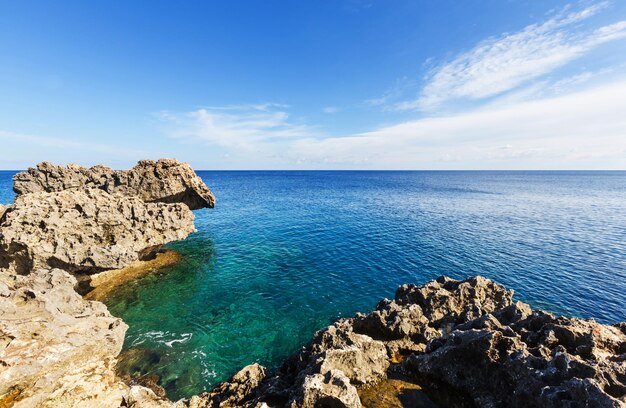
{"x": 456, "y": 343}
{"x": 56, "y": 349}
{"x": 86, "y": 231}
{"x": 165, "y": 181}
{"x": 466, "y": 342}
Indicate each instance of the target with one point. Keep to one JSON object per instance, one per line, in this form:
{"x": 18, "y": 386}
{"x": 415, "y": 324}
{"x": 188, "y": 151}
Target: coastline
{"x": 452, "y": 342}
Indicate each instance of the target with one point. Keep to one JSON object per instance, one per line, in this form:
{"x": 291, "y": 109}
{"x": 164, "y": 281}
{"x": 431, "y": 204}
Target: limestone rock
{"x": 56, "y": 349}
{"x": 364, "y": 362}
{"x": 331, "y": 389}
{"x": 510, "y": 356}
{"x": 238, "y": 391}
{"x": 447, "y": 301}
{"x": 3, "y": 208}
{"x": 165, "y": 180}
{"x": 86, "y": 231}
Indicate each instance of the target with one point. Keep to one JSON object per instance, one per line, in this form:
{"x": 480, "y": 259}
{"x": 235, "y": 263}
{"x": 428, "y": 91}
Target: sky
{"x": 330, "y": 84}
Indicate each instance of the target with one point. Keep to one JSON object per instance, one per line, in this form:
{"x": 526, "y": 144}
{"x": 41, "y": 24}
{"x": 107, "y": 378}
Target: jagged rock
{"x": 446, "y": 301}
{"x": 56, "y": 349}
{"x": 465, "y": 336}
{"x": 166, "y": 181}
{"x": 87, "y": 231}
{"x": 3, "y": 208}
{"x": 238, "y": 391}
{"x": 363, "y": 362}
{"x": 512, "y": 357}
{"x": 331, "y": 389}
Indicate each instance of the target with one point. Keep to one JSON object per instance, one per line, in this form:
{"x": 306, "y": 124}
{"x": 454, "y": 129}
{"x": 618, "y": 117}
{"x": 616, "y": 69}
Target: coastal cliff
{"x": 66, "y": 225}
{"x": 164, "y": 181}
{"x": 444, "y": 343}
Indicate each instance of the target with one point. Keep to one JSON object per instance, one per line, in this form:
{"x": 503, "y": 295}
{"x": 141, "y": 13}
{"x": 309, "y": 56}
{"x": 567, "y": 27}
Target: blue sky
{"x": 315, "y": 85}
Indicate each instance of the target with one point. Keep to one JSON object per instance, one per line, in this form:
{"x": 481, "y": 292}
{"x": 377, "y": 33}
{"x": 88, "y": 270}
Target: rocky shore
{"x": 444, "y": 343}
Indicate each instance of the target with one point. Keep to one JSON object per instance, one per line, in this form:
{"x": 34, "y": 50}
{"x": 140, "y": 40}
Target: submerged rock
{"x": 86, "y": 231}
{"x": 56, "y": 349}
{"x": 165, "y": 180}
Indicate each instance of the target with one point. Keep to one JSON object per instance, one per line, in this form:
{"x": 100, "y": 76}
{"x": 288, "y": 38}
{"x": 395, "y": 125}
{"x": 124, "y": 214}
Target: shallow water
{"x": 286, "y": 253}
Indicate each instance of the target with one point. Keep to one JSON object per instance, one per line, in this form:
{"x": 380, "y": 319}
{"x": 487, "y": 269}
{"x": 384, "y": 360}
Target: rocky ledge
{"x": 86, "y": 231}
{"x": 165, "y": 181}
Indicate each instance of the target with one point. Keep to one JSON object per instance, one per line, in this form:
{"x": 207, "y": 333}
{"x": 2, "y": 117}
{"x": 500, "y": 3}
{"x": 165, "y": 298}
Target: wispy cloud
{"x": 331, "y": 109}
{"x": 401, "y": 87}
{"x": 585, "y": 129}
{"x": 581, "y": 130}
{"x": 498, "y": 65}
{"x": 239, "y": 126}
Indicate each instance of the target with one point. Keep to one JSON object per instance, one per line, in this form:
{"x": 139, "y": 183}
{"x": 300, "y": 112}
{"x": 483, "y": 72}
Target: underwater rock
{"x": 165, "y": 180}
{"x": 56, "y": 349}
{"x": 87, "y": 231}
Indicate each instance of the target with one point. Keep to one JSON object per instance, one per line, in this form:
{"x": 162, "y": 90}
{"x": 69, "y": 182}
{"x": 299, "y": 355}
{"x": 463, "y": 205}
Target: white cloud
{"x": 586, "y": 129}
{"x": 241, "y": 126}
{"x": 501, "y": 64}
{"x": 331, "y": 109}
{"x": 582, "y": 130}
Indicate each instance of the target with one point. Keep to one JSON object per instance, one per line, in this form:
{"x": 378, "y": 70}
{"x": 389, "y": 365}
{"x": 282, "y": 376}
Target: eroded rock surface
{"x": 467, "y": 342}
{"x": 56, "y": 349}
{"x": 165, "y": 180}
{"x": 86, "y": 231}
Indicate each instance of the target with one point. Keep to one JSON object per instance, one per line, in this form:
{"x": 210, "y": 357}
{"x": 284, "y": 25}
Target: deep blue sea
{"x": 285, "y": 253}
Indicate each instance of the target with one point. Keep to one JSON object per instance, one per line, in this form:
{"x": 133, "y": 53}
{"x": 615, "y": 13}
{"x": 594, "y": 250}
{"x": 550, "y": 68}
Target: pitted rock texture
{"x": 56, "y": 349}
{"x": 165, "y": 180}
{"x": 86, "y": 231}
{"x": 466, "y": 341}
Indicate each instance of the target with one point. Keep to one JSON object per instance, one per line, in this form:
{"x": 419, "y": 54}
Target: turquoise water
{"x": 286, "y": 253}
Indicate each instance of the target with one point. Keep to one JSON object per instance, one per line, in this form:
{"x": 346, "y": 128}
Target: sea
{"x": 285, "y": 253}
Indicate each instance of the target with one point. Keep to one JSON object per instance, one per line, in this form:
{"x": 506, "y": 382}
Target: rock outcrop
{"x": 56, "y": 349}
{"x": 86, "y": 231}
{"x": 466, "y": 343}
{"x": 165, "y": 181}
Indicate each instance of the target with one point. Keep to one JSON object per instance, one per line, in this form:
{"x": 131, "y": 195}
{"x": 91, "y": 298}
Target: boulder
{"x": 56, "y": 349}
{"x": 165, "y": 181}
{"x": 86, "y": 231}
